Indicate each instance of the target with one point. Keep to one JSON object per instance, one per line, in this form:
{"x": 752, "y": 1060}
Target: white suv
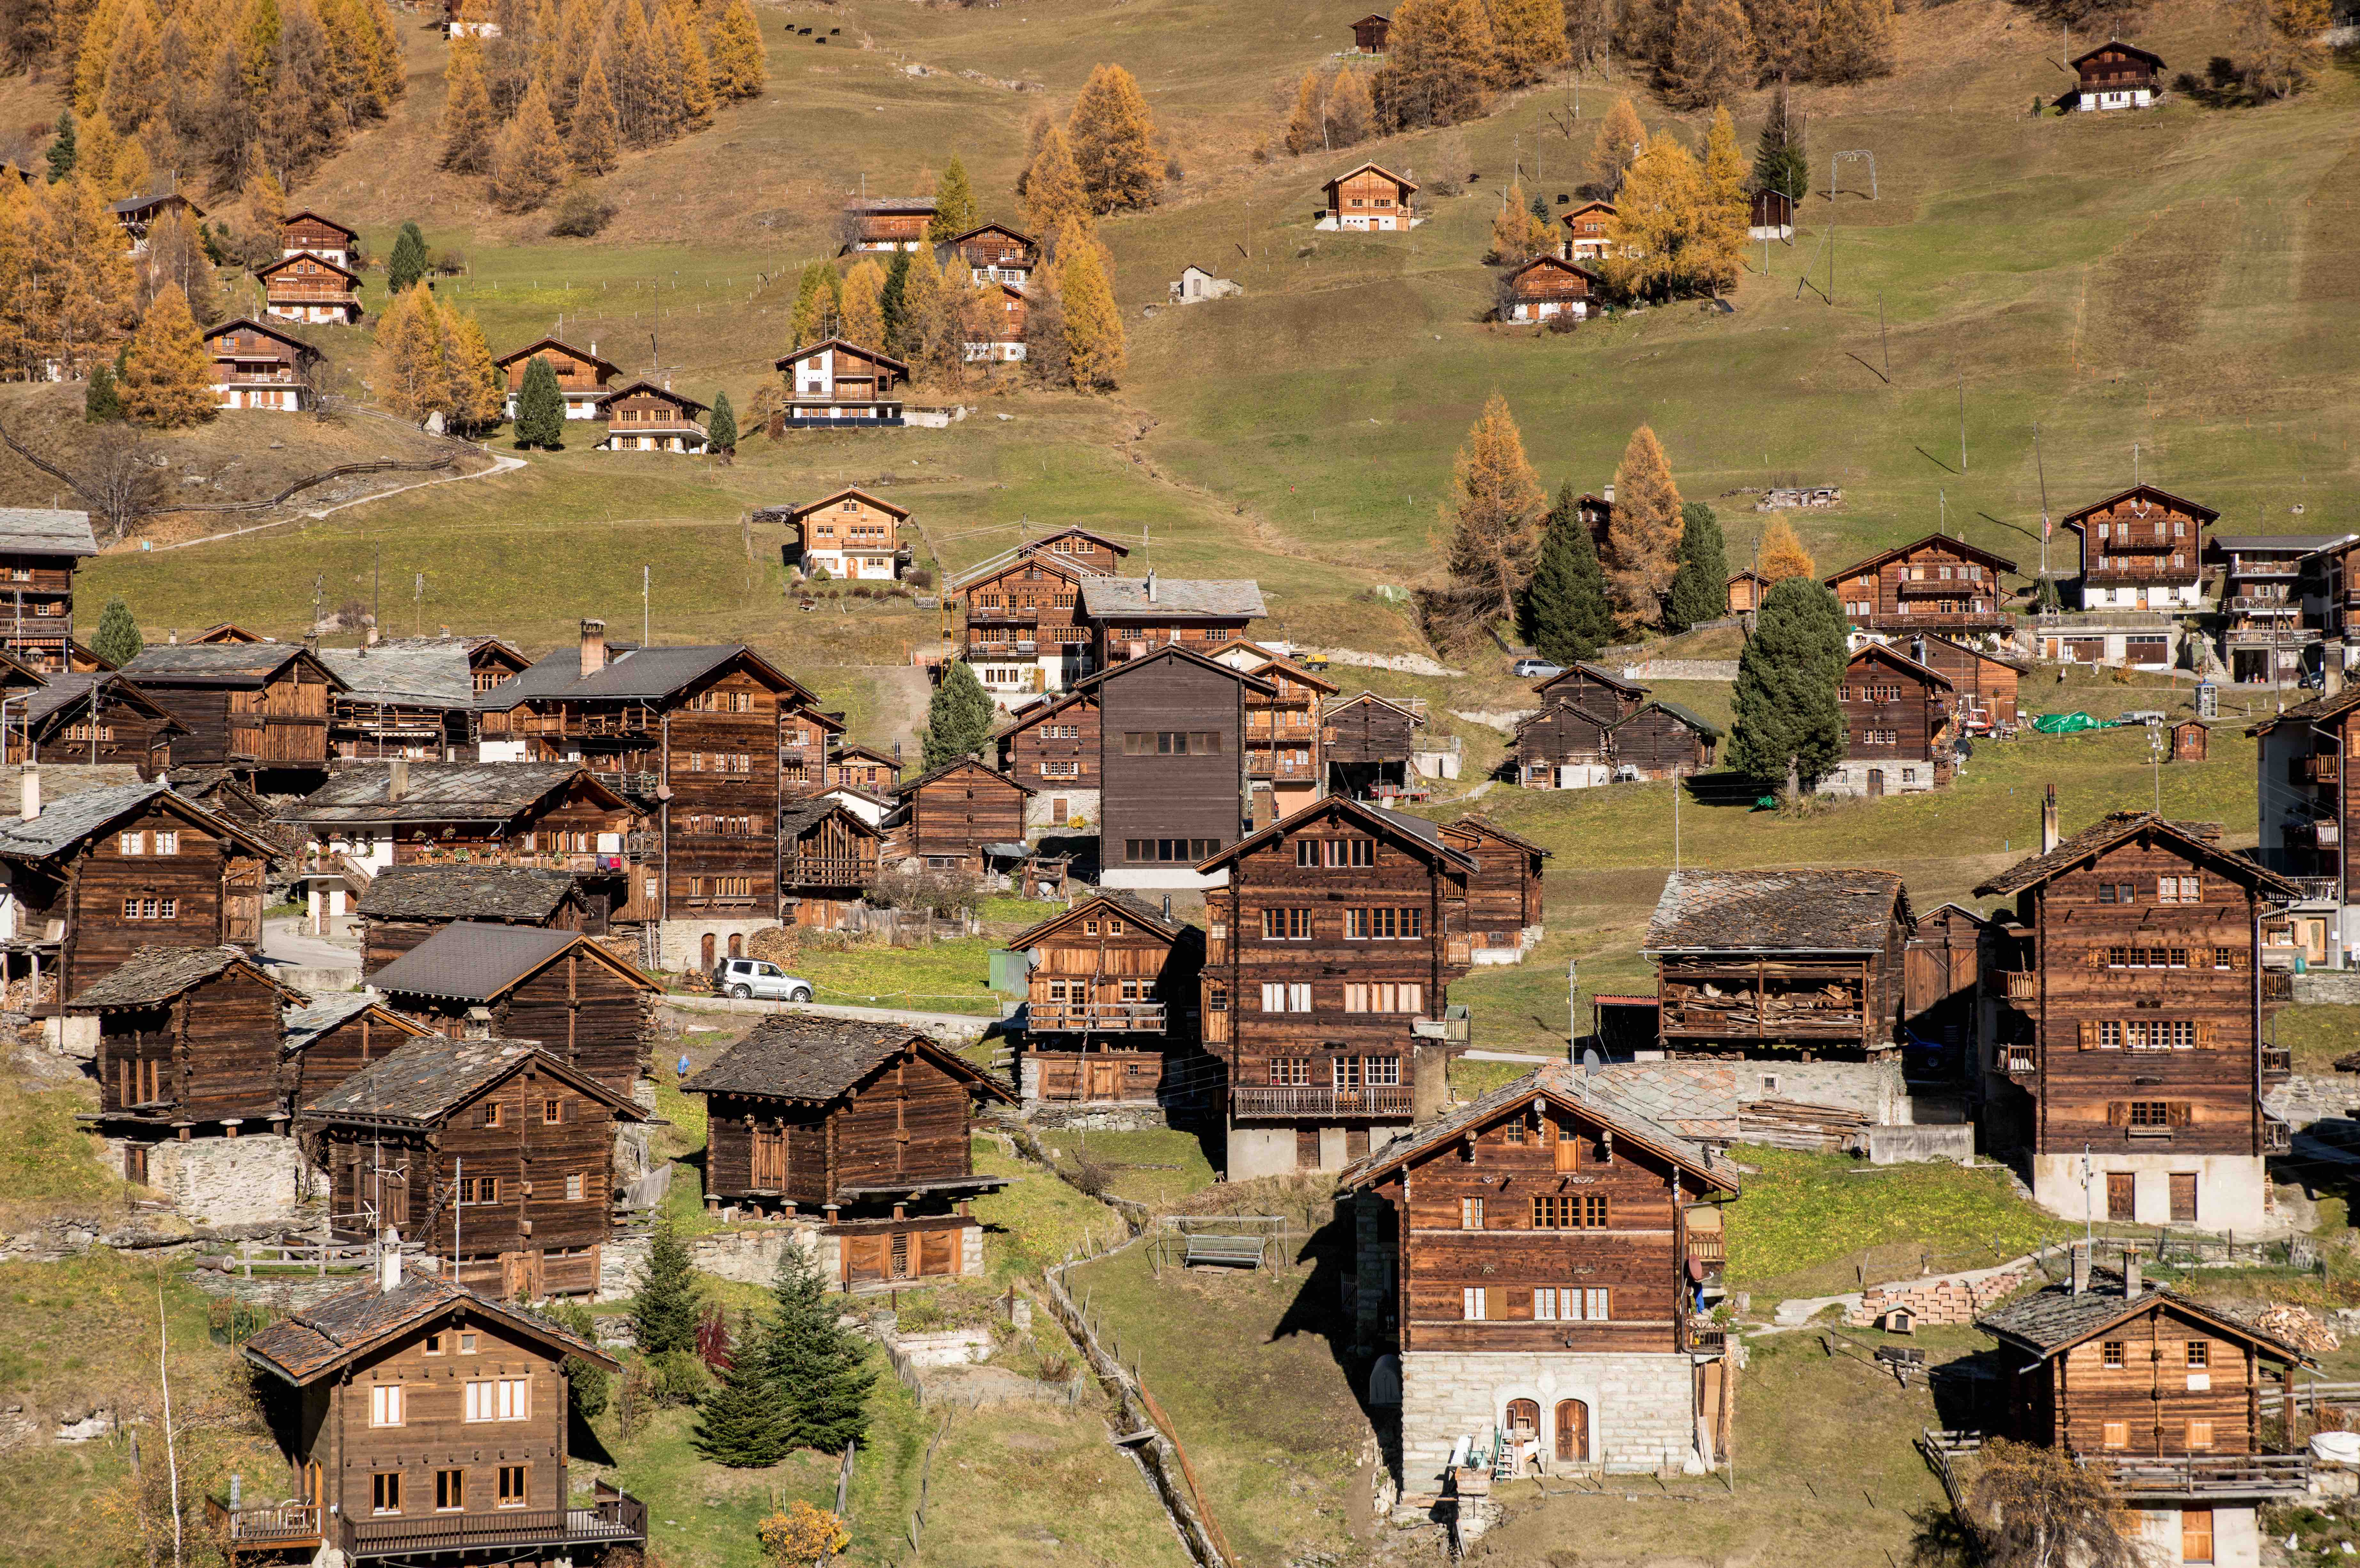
{"x": 745, "y": 977}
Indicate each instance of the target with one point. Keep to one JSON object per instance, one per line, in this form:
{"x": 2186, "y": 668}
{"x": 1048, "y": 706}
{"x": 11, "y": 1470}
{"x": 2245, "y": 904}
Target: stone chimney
{"x": 2331, "y": 676}
{"x": 2132, "y": 1284}
{"x": 368, "y": 637}
{"x": 2048, "y": 835}
{"x": 397, "y": 783}
{"x": 30, "y": 777}
{"x": 388, "y": 1262}
{"x": 2080, "y": 1271}
{"x": 1151, "y": 586}
{"x": 593, "y": 646}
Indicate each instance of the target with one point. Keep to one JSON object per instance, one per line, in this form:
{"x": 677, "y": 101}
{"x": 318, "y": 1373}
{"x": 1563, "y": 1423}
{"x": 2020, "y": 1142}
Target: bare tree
{"x": 119, "y": 480}
{"x": 2036, "y": 1508}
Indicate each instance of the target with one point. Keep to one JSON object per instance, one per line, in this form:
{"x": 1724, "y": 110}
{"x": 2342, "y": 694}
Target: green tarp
{"x": 2071, "y": 724}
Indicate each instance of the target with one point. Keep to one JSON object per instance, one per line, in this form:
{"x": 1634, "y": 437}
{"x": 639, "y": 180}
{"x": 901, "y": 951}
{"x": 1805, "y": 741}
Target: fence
{"x": 916, "y": 1531}
{"x": 1937, "y": 1446}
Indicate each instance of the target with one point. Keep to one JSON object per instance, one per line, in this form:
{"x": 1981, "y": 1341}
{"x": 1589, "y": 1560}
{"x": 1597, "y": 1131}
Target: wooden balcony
{"x": 1701, "y": 1336}
{"x": 1094, "y": 1018}
{"x": 281, "y": 1525}
{"x": 1945, "y": 588}
{"x": 616, "y": 1517}
{"x": 2277, "y": 1063}
{"x": 1455, "y": 1026}
{"x": 827, "y": 871}
{"x": 2166, "y": 577}
{"x": 2323, "y": 769}
{"x": 1014, "y": 614}
{"x": 1322, "y": 1104}
{"x": 2198, "y": 1476}
{"x": 2020, "y": 985}
{"x": 2022, "y": 1060}
{"x": 1710, "y": 1246}
{"x": 1932, "y": 620}
{"x": 2324, "y": 832}
{"x": 2277, "y": 1136}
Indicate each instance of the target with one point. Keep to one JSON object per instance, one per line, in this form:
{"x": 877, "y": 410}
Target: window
{"x": 1286, "y": 925}
{"x": 480, "y": 1188}
{"x": 2160, "y": 1034}
{"x": 167, "y": 842}
{"x": 151, "y": 909}
{"x": 1471, "y": 1304}
{"x": 1594, "y": 1211}
{"x": 133, "y": 842}
{"x": 384, "y": 1404}
{"x": 450, "y": 1491}
{"x": 1061, "y": 770}
{"x": 1290, "y": 1072}
{"x": 1554, "y": 1210}
{"x": 385, "y": 1493}
{"x": 1344, "y": 1071}
{"x": 512, "y": 1485}
{"x": 433, "y": 1344}
{"x": 1381, "y": 1072}
{"x": 2150, "y": 1116}
{"x": 1279, "y": 998}
{"x": 574, "y": 1188}
{"x": 1384, "y": 925}
{"x": 553, "y": 1111}
{"x": 499, "y": 1399}
{"x": 1385, "y": 996}
{"x": 466, "y": 1344}
{"x": 2110, "y": 1035}
{"x": 1545, "y": 1303}
{"x": 1172, "y": 743}
{"x": 2179, "y": 890}
{"x": 1169, "y": 849}
{"x": 1470, "y": 1213}
{"x": 2110, "y": 1353}
{"x": 2200, "y": 1354}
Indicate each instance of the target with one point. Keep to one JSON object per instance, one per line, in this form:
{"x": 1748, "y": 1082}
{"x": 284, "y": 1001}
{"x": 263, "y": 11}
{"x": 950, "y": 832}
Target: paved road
{"x": 710, "y": 1011}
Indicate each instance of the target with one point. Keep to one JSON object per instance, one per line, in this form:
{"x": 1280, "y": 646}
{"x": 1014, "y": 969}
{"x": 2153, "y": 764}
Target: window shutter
{"x": 2203, "y": 1032}
{"x": 2089, "y": 1034}
{"x": 2095, "y": 958}
{"x": 2118, "y": 1113}
{"x": 2178, "y": 1113}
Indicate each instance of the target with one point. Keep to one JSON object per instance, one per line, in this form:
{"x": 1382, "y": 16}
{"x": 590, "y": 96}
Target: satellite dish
{"x": 1591, "y": 1063}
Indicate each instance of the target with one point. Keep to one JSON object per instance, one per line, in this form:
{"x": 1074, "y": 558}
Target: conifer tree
{"x": 1053, "y": 185}
{"x": 472, "y": 378}
{"x": 407, "y": 264}
{"x": 1440, "y": 64}
{"x": 134, "y": 85}
{"x": 863, "y": 319}
{"x": 1656, "y": 237}
{"x": 1726, "y": 210}
{"x": 61, "y": 155}
{"x": 1306, "y": 128}
{"x": 409, "y": 372}
{"x": 740, "y": 64}
{"x": 890, "y": 314}
{"x": 96, "y": 53}
{"x": 747, "y": 1421}
{"x": 1620, "y": 139}
{"x": 1566, "y": 613}
{"x": 1516, "y": 234}
{"x": 118, "y": 640}
{"x": 1530, "y": 37}
{"x": 1114, "y": 143}
{"x": 1712, "y": 53}
{"x": 959, "y": 717}
{"x": 1644, "y": 31}
{"x": 530, "y": 159}
{"x": 1094, "y": 345}
{"x": 598, "y": 136}
{"x": 1853, "y": 40}
{"x": 87, "y": 294}
{"x": 265, "y": 208}
{"x": 669, "y": 1300}
{"x": 1789, "y": 730}
{"x": 1782, "y": 37}
{"x": 540, "y": 408}
{"x": 1780, "y": 554}
{"x": 167, "y": 379}
{"x": 1351, "y": 114}
{"x": 819, "y": 1370}
{"x": 1700, "y": 587}
{"x": 2278, "y": 52}
{"x": 921, "y": 304}
{"x": 955, "y": 209}
{"x": 814, "y": 308}
{"x": 1781, "y": 160}
{"x": 100, "y": 403}
{"x": 1494, "y": 514}
{"x": 1588, "y": 30}
{"x": 1644, "y": 539}
{"x": 299, "y": 118}
{"x": 630, "y": 72}
{"x": 467, "y": 122}
{"x": 176, "y": 256}
{"x": 721, "y": 426}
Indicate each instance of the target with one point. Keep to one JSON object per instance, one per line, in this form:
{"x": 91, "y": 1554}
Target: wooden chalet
{"x": 886, "y": 223}
{"x": 2141, "y": 550}
{"x": 1172, "y": 765}
{"x": 1094, "y": 553}
{"x": 1330, "y": 947}
{"x": 1544, "y": 1262}
{"x": 261, "y": 708}
{"x": 850, "y": 535}
{"x": 1942, "y": 1007}
{"x": 1983, "y": 684}
{"x": 1003, "y": 340}
{"x": 863, "y": 767}
{"x": 404, "y": 904}
{"x": 1564, "y": 747}
{"x": 1806, "y": 962}
{"x": 1937, "y": 585}
{"x": 471, "y": 18}
{"x": 827, "y": 858}
{"x": 2138, "y": 1033}
{"x": 423, "y": 1421}
{"x": 1053, "y": 748}
{"x": 1024, "y": 630}
{"x": 1588, "y": 228}
{"x": 1769, "y": 215}
{"x": 1368, "y": 740}
{"x": 413, "y": 697}
{"x": 1130, "y": 615}
{"x": 1503, "y": 896}
{"x": 188, "y": 1041}
{"x": 2158, "y": 1395}
{"x": 1111, "y": 1004}
{"x": 583, "y": 378}
{"x": 89, "y": 881}
{"x": 1368, "y": 199}
{"x": 475, "y": 980}
{"x": 991, "y": 253}
{"x": 229, "y": 631}
{"x": 495, "y": 1154}
{"x": 1547, "y": 286}
{"x": 2115, "y": 75}
{"x": 96, "y": 719}
{"x": 952, "y": 813}
{"x": 1594, "y": 687}
{"x": 861, "y": 1126}
{"x": 1661, "y": 740}
{"x": 310, "y": 289}
{"x": 1745, "y": 591}
{"x": 309, "y": 234}
{"x": 2280, "y": 598}
{"x": 2307, "y": 810}
{"x": 834, "y": 384}
{"x": 645, "y": 417}
{"x": 137, "y": 214}
{"x": 1370, "y": 34}
{"x": 329, "y": 1040}
{"x": 39, "y": 549}
{"x": 1899, "y": 718}
{"x": 1286, "y": 746}
{"x": 258, "y": 367}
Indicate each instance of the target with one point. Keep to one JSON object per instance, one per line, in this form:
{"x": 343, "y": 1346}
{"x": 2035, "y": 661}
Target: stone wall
{"x": 217, "y": 1182}
{"x": 2231, "y": 1189}
{"x": 2327, "y": 986}
{"x": 1909, "y": 1145}
{"x": 1874, "y": 1089}
{"x": 1953, "y": 1298}
{"x": 2312, "y": 1097}
{"x": 1641, "y": 1407}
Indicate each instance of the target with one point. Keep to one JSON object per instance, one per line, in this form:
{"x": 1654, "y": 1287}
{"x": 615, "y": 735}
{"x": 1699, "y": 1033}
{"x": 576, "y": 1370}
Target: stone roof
{"x": 305, "y": 1025}
{"x": 469, "y": 961}
{"x": 504, "y": 894}
{"x": 435, "y": 675}
{"x": 630, "y": 672}
{"x": 795, "y": 1056}
{"x": 154, "y": 975}
{"x": 317, "y": 1339}
{"x": 435, "y": 792}
{"x": 429, "y": 1078}
{"x": 45, "y": 531}
{"x": 1776, "y": 912}
{"x": 1174, "y": 596}
{"x": 71, "y": 688}
{"x": 2198, "y": 840}
{"x": 213, "y": 663}
{"x": 2056, "y": 1318}
{"x": 66, "y": 822}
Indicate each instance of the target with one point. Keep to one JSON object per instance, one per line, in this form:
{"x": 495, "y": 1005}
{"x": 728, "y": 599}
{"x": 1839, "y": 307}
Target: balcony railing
{"x": 2318, "y": 770}
{"x": 2022, "y": 1059}
{"x": 616, "y": 1517}
{"x": 2319, "y": 889}
{"x": 2203, "y": 1474}
{"x": 2241, "y": 567}
{"x": 2021, "y": 984}
{"x": 1385, "y": 1100}
{"x": 1027, "y": 614}
{"x": 2262, "y": 605}
{"x": 2277, "y": 1136}
{"x": 2277, "y": 985}
{"x": 827, "y": 870}
{"x": 2176, "y": 576}
{"x": 2324, "y": 832}
{"x": 1695, "y": 1335}
{"x": 1454, "y": 1026}
{"x": 1058, "y": 1018}
{"x": 1930, "y": 619}
{"x": 2278, "y": 1061}
{"x": 1944, "y": 588}
{"x": 628, "y": 783}
{"x": 282, "y": 1524}
{"x": 1707, "y": 1246}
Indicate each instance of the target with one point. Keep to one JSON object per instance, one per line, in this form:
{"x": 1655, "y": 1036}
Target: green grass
{"x": 1036, "y": 1220}
{"x": 1160, "y": 1168}
{"x": 1081, "y": 1500}
{"x": 48, "y": 1164}
{"x": 949, "y": 976}
{"x": 2317, "y": 1034}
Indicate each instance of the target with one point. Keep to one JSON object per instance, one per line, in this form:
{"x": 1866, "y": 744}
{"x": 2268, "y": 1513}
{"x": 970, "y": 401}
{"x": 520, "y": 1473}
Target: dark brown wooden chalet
{"x": 2129, "y": 965}
{"x": 1941, "y": 999}
{"x": 1286, "y": 745}
{"x": 2115, "y": 75}
{"x": 1503, "y": 896}
{"x": 1898, "y": 718}
{"x": 833, "y": 383}
{"x": 863, "y": 1126}
{"x": 2308, "y": 802}
{"x": 1110, "y": 1002}
{"x": 1586, "y": 228}
{"x": 413, "y": 697}
{"x": 1564, "y": 747}
{"x": 1661, "y": 740}
{"x": 188, "y": 1041}
{"x": 1598, "y": 690}
{"x": 96, "y": 876}
{"x": 229, "y": 631}
{"x": 423, "y": 1422}
{"x": 259, "y": 366}
{"x": 863, "y": 767}
{"x": 827, "y": 857}
{"x": 495, "y": 1154}
{"x": 328, "y": 1041}
{"x": 2141, "y": 550}
{"x": 309, "y": 288}
{"x": 645, "y": 417}
{"x": 1368, "y": 199}
{"x": 1556, "y": 1231}
{"x": 1132, "y": 617}
{"x": 259, "y": 707}
{"x": 886, "y": 223}
{"x": 1328, "y": 953}
{"x": 1053, "y": 748}
{"x": 1780, "y": 961}
{"x": 1369, "y": 34}
{"x": 1172, "y": 782}
{"x": 1025, "y": 629}
{"x": 98, "y": 718}
{"x": 2159, "y": 1395}
{"x": 991, "y": 253}
{"x": 137, "y": 214}
{"x": 1983, "y": 684}
{"x": 1937, "y": 585}
{"x": 584, "y": 1004}
{"x": 952, "y": 814}
{"x": 40, "y": 548}
{"x": 583, "y": 378}
{"x": 309, "y": 234}
{"x": 1547, "y": 287}
{"x": 404, "y": 904}
{"x": 1368, "y": 740}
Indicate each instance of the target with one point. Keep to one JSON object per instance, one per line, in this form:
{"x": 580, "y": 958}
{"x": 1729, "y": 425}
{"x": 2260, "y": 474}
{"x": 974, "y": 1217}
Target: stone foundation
{"x": 216, "y": 1181}
{"x": 1052, "y": 1115}
{"x": 1081, "y": 808}
{"x": 680, "y": 944}
{"x": 1902, "y": 777}
{"x": 2308, "y": 1097}
{"x": 1643, "y": 1414}
{"x": 2232, "y": 1192}
{"x": 2236, "y": 1536}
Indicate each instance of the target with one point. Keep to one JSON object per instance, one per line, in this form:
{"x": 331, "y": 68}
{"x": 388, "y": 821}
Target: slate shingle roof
{"x": 153, "y": 976}
{"x": 436, "y": 792}
{"x": 2054, "y": 1318}
{"x": 305, "y": 1025}
{"x": 432, "y": 675}
{"x": 1174, "y": 596}
{"x": 2200, "y": 840}
{"x": 212, "y": 663}
{"x": 794, "y": 1056}
{"x": 71, "y": 690}
{"x": 469, "y": 961}
{"x": 317, "y": 1339}
{"x": 429, "y": 1078}
{"x": 45, "y": 531}
{"x": 66, "y": 822}
{"x": 504, "y": 894}
{"x": 1775, "y": 911}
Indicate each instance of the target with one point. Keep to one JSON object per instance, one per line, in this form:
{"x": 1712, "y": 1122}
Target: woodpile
{"x": 2297, "y": 1326}
{"x": 1799, "y": 1124}
{"x": 1832, "y": 1003}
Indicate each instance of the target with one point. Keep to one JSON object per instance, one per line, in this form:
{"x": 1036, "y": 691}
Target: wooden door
{"x": 736, "y": 945}
{"x": 1524, "y": 1421}
{"x": 516, "y": 1275}
{"x": 2196, "y": 1535}
{"x": 1057, "y": 807}
{"x": 863, "y": 1257}
{"x": 770, "y": 1159}
{"x": 706, "y": 947}
{"x": 2183, "y": 1197}
{"x": 2120, "y": 1195}
{"x": 938, "y": 1252}
{"x": 1568, "y": 1147}
{"x": 1875, "y": 782}
{"x": 1105, "y": 1077}
{"x": 242, "y": 903}
{"x": 1572, "y": 1431}
{"x": 135, "y": 1164}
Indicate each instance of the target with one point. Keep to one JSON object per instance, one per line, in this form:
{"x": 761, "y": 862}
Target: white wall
{"x": 2230, "y": 1188}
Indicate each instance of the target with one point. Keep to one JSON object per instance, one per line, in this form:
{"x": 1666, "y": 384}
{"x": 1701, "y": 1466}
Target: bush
{"x": 680, "y": 1377}
{"x": 1564, "y": 322}
{"x": 817, "y": 573}
{"x": 919, "y": 577}
{"x": 582, "y": 214}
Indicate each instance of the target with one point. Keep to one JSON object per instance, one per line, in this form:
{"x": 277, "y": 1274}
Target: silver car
{"x": 745, "y": 977}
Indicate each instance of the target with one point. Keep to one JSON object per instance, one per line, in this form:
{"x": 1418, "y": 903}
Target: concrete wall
{"x": 2231, "y": 1190}
{"x": 1906, "y": 1145}
{"x": 681, "y": 943}
{"x": 2236, "y": 1538}
{"x": 1874, "y": 1089}
{"x": 248, "y": 1180}
{"x": 1641, "y": 1407}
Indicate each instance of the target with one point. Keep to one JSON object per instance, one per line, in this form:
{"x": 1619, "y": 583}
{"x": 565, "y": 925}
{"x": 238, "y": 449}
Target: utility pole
{"x": 1885, "y": 344}
{"x": 645, "y": 639}
{"x": 2043, "y": 471}
{"x": 1572, "y": 1007}
{"x": 1963, "y": 420}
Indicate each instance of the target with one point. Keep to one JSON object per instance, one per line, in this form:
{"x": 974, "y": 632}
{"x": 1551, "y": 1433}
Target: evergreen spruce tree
{"x": 890, "y": 314}
{"x": 62, "y": 151}
{"x": 1789, "y": 730}
{"x": 168, "y": 379}
{"x": 665, "y": 1308}
{"x": 1114, "y": 142}
{"x": 1565, "y": 615}
{"x": 540, "y": 407}
{"x": 1644, "y": 539}
{"x": 1781, "y": 159}
{"x": 747, "y": 1421}
{"x": 958, "y": 716}
{"x": 1701, "y": 587}
{"x": 955, "y": 209}
{"x": 100, "y": 403}
{"x": 721, "y": 428}
{"x": 819, "y": 1371}
{"x": 118, "y": 640}
{"x": 407, "y": 265}
{"x": 469, "y": 125}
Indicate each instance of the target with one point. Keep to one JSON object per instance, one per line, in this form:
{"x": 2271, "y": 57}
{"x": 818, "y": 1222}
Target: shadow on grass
{"x": 1318, "y": 1310}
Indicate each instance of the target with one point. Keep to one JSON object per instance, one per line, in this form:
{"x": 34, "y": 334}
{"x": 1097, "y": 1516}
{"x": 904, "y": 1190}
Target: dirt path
{"x": 501, "y": 463}
{"x": 903, "y": 693}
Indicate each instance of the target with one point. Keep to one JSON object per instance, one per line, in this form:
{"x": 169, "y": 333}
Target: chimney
{"x": 2131, "y": 1282}
{"x": 2331, "y": 676}
{"x": 2080, "y": 1269}
{"x": 1607, "y": 494}
{"x": 593, "y": 646}
{"x": 397, "y": 783}
{"x": 1917, "y": 649}
{"x": 2048, "y": 836}
{"x": 389, "y": 1261}
{"x": 368, "y": 637}
{"x": 31, "y": 779}
{"x": 594, "y": 348}
{"x": 1167, "y": 905}
{"x": 1151, "y": 586}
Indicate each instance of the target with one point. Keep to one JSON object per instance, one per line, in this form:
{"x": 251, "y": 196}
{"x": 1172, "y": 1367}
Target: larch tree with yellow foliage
{"x": 1306, "y": 128}
{"x": 1113, "y": 141}
{"x": 1516, "y": 234}
{"x": 1440, "y": 67}
{"x": 1493, "y": 517}
{"x": 1726, "y": 210}
{"x": 1780, "y": 554}
{"x": 864, "y": 311}
{"x": 1095, "y": 349}
{"x": 166, "y": 374}
{"x": 741, "y": 66}
{"x": 1620, "y": 139}
{"x": 1529, "y": 35}
{"x": 408, "y": 372}
{"x": 1712, "y": 53}
{"x": 468, "y": 123}
{"x": 1656, "y": 240}
{"x": 530, "y": 162}
{"x": 1642, "y": 540}
{"x": 1352, "y": 113}
{"x": 598, "y": 139}
{"x": 1052, "y": 188}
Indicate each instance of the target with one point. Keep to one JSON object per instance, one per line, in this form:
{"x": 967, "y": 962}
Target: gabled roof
{"x": 869, "y": 753}
{"x": 310, "y": 1342}
{"x": 1017, "y": 235}
{"x": 289, "y": 220}
{"x": 1562, "y": 707}
{"x": 1415, "y": 719}
{"x": 2151, "y": 495}
{"x": 244, "y": 664}
{"x": 842, "y": 345}
{"x": 436, "y": 675}
{"x": 1412, "y": 833}
{"x": 469, "y": 961}
{"x": 889, "y": 204}
{"x": 1106, "y": 901}
{"x": 1174, "y": 596}
{"x": 1556, "y": 263}
{"x": 1567, "y": 1086}
{"x": 2020, "y": 666}
{"x": 1261, "y": 659}
{"x": 284, "y": 262}
{"x": 154, "y": 975}
{"x": 1597, "y": 672}
{"x": 1973, "y": 553}
{"x": 1885, "y": 653}
{"x": 1953, "y": 907}
{"x": 442, "y": 792}
{"x": 2199, "y": 842}
{"x": 914, "y": 785}
{"x": 1469, "y": 822}
{"x": 504, "y": 894}
{"x": 679, "y": 399}
{"x": 423, "y": 1081}
{"x": 643, "y": 673}
{"x": 305, "y": 1025}
{"x": 1801, "y": 910}
{"x": 1173, "y": 651}
{"x": 2318, "y": 708}
{"x": 797, "y": 818}
{"x": 2148, "y": 55}
{"x": 71, "y": 691}
{"x": 229, "y": 631}
{"x": 797, "y": 1056}
{"x": 45, "y": 531}
{"x": 1026, "y": 718}
{"x": 585, "y": 355}
{"x": 796, "y": 513}
{"x": 1571, "y": 214}
{"x": 130, "y": 206}
{"x": 2055, "y": 1319}
{"x": 1687, "y": 716}
{"x": 248, "y": 324}
{"x": 2218, "y": 545}
{"x": 1747, "y": 576}
{"x": 1407, "y": 185}
{"x": 1374, "y": 16}
{"x": 1073, "y": 530}
{"x": 66, "y": 822}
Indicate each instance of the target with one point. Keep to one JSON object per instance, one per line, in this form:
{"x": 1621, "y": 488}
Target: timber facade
{"x": 473, "y": 980}
{"x": 827, "y": 858}
{"x": 188, "y": 1041}
{"x": 259, "y": 709}
{"x": 258, "y": 367}
{"x": 39, "y": 549}
{"x": 1802, "y": 961}
{"x": 1369, "y": 200}
{"x": 951, "y": 816}
{"x": 1898, "y": 719}
{"x": 2141, "y": 550}
{"x": 1053, "y": 748}
{"x": 1937, "y": 585}
{"x": 1173, "y": 784}
{"x": 1503, "y": 896}
{"x": 310, "y": 289}
{"x": 582, "y": 377}
{"x": 850, "y": 535}
{"x": 835, "y": 383}
{"x": 644, "y": 417}
{"x": 1111, "y": 1004}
